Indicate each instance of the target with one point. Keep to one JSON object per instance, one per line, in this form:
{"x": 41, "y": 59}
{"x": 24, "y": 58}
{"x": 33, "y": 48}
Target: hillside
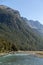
{"x": 15, "y": 33}
{"x": 35, "y": 25}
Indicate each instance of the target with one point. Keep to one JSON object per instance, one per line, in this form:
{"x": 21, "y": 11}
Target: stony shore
{"x": 36, "y": 53}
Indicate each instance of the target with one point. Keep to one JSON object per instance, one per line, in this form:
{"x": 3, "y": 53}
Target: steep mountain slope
{"x": 35, "y": 25}
{"x": 15, "y": 33}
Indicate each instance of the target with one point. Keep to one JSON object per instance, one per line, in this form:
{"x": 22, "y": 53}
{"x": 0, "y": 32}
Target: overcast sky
{"x": 31, "y": 9}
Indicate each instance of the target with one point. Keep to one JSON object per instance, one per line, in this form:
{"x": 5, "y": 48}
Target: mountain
{"x": 15, "y": 33}
{"x": 35, "y": 25}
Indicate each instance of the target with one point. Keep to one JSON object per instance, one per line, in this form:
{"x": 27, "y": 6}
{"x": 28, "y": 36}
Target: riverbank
{"x": 36, "y": 53}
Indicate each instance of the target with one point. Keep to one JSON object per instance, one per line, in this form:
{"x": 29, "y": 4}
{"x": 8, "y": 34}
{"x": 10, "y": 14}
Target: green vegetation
{"x": 6, "y": 46}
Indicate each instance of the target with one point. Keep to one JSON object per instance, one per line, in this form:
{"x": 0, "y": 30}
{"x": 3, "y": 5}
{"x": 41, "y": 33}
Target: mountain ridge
{"x": 35, "y": 25}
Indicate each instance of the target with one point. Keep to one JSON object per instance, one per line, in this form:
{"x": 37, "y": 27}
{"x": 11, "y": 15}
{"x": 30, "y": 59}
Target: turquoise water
{"x": 20, "y": 59}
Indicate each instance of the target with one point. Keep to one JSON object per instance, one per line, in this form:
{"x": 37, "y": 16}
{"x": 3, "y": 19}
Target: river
{"x": 20, "y": 59}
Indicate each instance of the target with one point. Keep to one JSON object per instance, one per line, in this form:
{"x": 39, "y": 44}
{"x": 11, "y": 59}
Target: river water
{"x": 20, "y": 59}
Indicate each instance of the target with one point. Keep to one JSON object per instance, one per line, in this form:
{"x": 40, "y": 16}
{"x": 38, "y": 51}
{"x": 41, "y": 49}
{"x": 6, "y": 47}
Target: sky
{"x": 31, "y": 9}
